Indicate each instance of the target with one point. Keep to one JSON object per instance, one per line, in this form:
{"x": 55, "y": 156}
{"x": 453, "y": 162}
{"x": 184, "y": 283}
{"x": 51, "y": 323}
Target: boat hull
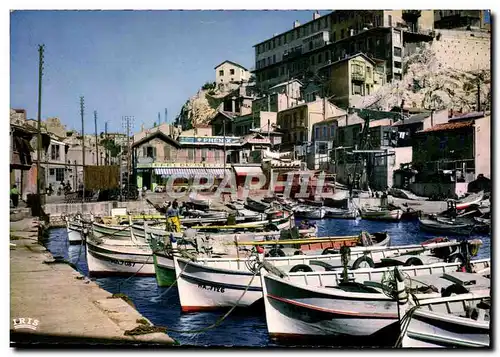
{"x": 104, "y": 261}
{"x": 437, "y": 328}
{"x": 393, "y": 215}
{"x": 75, "y": 234}
{"x": 164, "y": 270}
{"x": 204, "y": 288}
{"x": 299, "y": 311}
{"x": 437, "y": 227}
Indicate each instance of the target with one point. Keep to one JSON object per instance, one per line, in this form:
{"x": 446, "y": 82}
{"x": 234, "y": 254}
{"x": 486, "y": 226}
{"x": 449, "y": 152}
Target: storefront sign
{"x": 176, "y": 164}
{"x": 219, "y": 140}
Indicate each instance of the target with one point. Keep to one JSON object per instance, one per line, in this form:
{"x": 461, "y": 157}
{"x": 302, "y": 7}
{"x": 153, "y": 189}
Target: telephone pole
{"x": 96, "y": 142}
{"x": 82, "y": 112}
{"x": 106, "y": 161}
{"x": 41, "y": 49}
{"x": 166, "y": 115}
{"x": 126, "y": 125}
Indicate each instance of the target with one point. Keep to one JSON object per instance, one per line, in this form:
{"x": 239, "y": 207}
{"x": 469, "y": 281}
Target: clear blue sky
{"x": 129, "y": 62}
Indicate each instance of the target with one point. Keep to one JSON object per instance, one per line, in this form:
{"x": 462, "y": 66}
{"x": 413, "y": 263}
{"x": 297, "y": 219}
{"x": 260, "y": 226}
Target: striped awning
{"x": 191, "y": 172}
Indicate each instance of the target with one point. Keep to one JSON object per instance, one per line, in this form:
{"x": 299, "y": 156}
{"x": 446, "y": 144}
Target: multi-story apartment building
{"x": 352, "y": 78}
{"x": 455, "y": 19}
{"x": 305, "y": 48}
{"x": 297, "y": 122}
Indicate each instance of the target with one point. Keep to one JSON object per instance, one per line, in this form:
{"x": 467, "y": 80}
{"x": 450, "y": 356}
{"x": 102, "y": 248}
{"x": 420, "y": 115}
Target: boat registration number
{"x": 219, "y": 289}
{"x": 122, "y": 262}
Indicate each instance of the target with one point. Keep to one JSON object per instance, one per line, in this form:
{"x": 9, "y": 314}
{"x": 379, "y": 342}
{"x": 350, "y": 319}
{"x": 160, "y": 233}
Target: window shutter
{"x": 154, "y": 152}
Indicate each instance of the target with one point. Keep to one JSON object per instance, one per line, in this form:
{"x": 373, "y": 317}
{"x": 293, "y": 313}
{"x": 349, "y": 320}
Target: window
{"x": 166, "y": 152}
{"x": 204, "y": 154}
{"x": 316, "y": 135}
{"x": 274, "y": 58}
{"x": 332, "y": 131}
{"x": 51, "y": 172}
{"x": 368, "y": 89}
{"x": 397, "y": 76}
{"x": 190, "y": 154}
{"x": 312, "y": 60}
{"x": 397, "y": 64}
{"x": 322, "y": 148}
{"x": 334, "y": 38}
{"x": 397, "y": 51}
{"x": 279, "y": 41}
{"x": 221, "y": 72}
{"x": 320, "y": 58}
{"x": 356, "y": 89}
{"x": 324, "y": 131}
{"x": 310, "y": 45}
{"x": 342, "y": 33}
{"x": 54, "y": 152}
{"x": 231, "y": 71}
{"x": 60, "y": 174}
{"x": 327, "y": 56}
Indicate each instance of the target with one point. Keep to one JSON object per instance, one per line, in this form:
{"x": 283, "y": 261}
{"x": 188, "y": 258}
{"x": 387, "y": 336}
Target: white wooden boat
{"x": 340, "y": 213}
{"x": 74, "y": 229}
{"x": 455, "y": 321}
{"x": 309, "y": 212}
{"x": 105, "y": 260}
{"x": 472, "y": 199}
{"x": 298, "y": 307}
{"x": 200, "y": 283}
{"x": 380, "y": 214}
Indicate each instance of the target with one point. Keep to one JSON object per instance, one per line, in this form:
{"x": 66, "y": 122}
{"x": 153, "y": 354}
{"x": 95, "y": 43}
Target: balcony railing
{"x": 357, "y": 76}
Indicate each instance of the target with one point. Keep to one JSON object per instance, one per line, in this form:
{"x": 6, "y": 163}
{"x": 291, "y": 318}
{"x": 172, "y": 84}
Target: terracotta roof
{"x": 449, "y": 126}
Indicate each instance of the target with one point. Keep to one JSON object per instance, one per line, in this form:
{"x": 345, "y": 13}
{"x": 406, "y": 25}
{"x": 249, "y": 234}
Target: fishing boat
{"x": 309, "y": 212}
{"x": 344, "y": 308}
{"x": 454, "y": 321}
{"x": 320, "y": 245}
{"x": 281, "y": 219}
{"x": 256, "y": 205}
{"x": 472, "y": 199}
{"x": 212, "y": 283}
{"x": 341, "y": 213}
{"x": 74, "y": 229}
{"x": 380, "y": 214}
{"x": 131, "y": 259}
{"x": 445, "y": 227}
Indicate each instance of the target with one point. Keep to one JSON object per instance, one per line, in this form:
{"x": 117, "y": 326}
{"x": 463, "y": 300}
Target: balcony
{"x": 358, "y": 76}
{"x": 411, "y": 15}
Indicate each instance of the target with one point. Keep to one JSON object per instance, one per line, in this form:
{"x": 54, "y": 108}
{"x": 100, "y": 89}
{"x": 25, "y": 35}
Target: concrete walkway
{"x": 69, "y": 308}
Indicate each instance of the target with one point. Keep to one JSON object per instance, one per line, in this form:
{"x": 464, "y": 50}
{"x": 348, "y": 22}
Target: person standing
{"x": 14, "y": 196}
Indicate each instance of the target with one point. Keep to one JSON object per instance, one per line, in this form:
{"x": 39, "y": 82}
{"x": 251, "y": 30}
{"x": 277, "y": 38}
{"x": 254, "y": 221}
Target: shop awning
{"x": 247, "y": 170}
{"x": 190, "y": 172}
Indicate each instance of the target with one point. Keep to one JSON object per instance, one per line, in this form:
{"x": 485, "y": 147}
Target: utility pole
{"x": 82, "y": 112}
{"x": 106, "y": 161}
{"x": 159, "y": 119}
{"x": 96, "y": 142}
{"x": 166, "y": 115}
{"x": 126, "y": 125}
{"x": 225, "y": 159}
{"x": 41, "y": 49}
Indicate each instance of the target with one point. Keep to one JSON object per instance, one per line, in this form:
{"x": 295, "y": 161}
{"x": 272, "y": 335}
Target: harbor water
{"x": 242, "y": 328}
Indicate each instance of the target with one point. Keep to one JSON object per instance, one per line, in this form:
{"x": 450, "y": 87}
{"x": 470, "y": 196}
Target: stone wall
{"x": 463, "y": 50}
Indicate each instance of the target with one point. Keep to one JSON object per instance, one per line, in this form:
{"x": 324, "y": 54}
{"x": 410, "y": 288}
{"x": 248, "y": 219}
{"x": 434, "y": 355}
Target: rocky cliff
{"x": 428, "y": 84}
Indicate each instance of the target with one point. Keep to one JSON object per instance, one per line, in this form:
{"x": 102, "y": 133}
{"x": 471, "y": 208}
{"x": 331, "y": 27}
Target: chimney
{"x": 316, "y": 15}
{"x": 296, "y": 23}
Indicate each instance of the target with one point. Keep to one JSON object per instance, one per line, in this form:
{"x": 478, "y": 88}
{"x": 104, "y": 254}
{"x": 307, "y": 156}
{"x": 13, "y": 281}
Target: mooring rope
{"x": 133, "y": 275}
